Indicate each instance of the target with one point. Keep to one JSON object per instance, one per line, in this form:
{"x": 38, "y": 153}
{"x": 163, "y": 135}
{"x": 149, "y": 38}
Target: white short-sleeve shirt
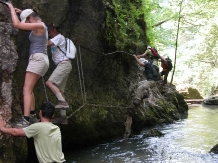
{"x": 57, "y": 54}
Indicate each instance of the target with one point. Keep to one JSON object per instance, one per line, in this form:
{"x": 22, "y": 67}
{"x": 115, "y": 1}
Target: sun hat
{"x": 148, "y": 47}
{"x": 24, "y": 14}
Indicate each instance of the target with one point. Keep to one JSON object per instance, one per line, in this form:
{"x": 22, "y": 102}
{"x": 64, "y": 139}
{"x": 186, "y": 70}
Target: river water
{"x": 186, "y": 141}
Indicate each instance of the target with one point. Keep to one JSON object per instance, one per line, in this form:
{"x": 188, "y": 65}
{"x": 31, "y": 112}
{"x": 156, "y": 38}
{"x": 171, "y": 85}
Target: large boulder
{"x": 212, "y": 100}
{"x": 153, "y": 133}
{"x": 194, "y": 93}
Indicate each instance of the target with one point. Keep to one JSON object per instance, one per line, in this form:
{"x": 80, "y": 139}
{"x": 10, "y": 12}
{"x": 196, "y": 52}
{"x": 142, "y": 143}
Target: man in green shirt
{"x": 149, "y": 55}
{"x": 47, "y": 136}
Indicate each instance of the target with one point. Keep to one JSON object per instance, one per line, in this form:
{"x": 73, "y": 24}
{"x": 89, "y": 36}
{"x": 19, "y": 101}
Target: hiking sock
{"x": 32, "y": 112}
{"x": 60, "y": 97}
{"x": 27, "y": 118}
{"x": 63, "y": 113}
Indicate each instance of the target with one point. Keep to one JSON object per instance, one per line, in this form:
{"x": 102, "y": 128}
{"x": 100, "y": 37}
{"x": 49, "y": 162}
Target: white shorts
{"x": 38, "y": 64}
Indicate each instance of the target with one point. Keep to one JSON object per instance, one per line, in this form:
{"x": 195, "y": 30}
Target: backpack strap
{"x": 61, "y": 50}
{"x": 65, "y": 47}
{"x": 150, "y": 61}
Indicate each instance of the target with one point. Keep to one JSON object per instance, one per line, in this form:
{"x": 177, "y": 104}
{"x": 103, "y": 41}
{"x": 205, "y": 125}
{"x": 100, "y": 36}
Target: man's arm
{"x": 50, "y": 43}
{"x": 163, "y": 60}
{"x": 143, "y": 55}
{"x": 10, "y": 131}
{"x": 138, "y": 61}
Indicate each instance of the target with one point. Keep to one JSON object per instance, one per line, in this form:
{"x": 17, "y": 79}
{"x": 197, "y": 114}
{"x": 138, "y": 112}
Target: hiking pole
{"x": 44, "y": 88}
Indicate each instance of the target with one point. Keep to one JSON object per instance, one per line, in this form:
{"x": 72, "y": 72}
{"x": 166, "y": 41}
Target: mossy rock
{"x": 194, "y": 93}
{"x": 153, "y": 133}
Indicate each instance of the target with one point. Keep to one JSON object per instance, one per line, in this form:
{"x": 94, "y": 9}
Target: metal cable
{"x": 106, "y": 53}
{"x": 111, "y": 106}
{"x": 117, "y": 52}
{"x": 82, "y": 85}
{"x": 44, "y": 88}
{"x": 81, "y": 68}
{"x": 95, "y": 105}
{"x": 77, "y": 59}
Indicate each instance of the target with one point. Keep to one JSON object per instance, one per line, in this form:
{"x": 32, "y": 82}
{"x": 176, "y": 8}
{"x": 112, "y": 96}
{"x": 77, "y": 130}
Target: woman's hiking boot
{"x": 22, "y": 123}
{"x": 33, "y": 119}
{"x": 62, "y": 105}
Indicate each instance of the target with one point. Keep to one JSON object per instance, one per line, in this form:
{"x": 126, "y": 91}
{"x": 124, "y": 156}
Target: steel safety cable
{"x": 81, "y": 81}
{"x": 76, "y": 111}
{"x": 44, "y": 88}
{"x": 78, "y": 67}
{"x": 95, "y": 105}
{"x": 117, "y": 52}
{"x": 110, "y": 106}
{"x": 83, "y": 84}
{"x": 106, "y": 53}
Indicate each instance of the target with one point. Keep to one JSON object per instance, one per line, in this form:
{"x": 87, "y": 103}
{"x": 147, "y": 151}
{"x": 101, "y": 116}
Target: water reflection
{"x": 185, "y": 141}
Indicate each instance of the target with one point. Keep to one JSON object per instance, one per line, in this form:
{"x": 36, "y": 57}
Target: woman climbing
{"x": 38, "y": 59}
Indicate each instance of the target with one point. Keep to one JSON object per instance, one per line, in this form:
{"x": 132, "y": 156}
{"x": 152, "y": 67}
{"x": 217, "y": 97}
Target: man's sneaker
{"x": 22, "y": 124}
{"x": 61, "y": 120}
{"x": 62, "y": 105}
{"x": 33, "y": 119}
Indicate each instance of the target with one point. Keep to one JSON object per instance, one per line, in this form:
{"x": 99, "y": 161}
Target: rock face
{"x": 153, "y": 133}
{"x": 99, "y": 89}
{"x": 214, "y": 149}
{"x": 11, "y": 149}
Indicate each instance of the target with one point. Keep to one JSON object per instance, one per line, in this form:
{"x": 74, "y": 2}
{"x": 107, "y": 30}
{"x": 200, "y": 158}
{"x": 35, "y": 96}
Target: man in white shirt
{"x": 47, "y": 136}
{"x": 58, "y": 79}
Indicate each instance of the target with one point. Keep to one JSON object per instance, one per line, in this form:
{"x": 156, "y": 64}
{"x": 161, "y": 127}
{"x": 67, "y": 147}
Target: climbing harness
{"x": 82, "y": 84}
{"x": 43, "y": 82}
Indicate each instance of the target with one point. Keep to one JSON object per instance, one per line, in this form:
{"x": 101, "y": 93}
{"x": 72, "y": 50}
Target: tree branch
{"x": 177, "y": 36}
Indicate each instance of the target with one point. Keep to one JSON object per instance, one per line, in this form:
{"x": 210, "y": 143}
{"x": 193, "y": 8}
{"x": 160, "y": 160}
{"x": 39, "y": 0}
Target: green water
{"x": 185, "y": 141}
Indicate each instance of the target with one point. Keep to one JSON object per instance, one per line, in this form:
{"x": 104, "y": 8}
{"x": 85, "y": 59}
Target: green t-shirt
{"x": 47, "y": 140}
{"x": 148, "y": 53}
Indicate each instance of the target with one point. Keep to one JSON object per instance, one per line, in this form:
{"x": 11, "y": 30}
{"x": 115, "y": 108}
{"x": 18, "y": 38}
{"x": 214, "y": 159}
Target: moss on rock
{"x": 194, "y": 93}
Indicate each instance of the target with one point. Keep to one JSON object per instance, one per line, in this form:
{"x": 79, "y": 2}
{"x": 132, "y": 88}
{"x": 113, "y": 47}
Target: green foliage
{"x": 156, "y": 17}
{"x": 124, "y": 23}
{"x": 198, "y": 39}
{"x": 197, "y": 42}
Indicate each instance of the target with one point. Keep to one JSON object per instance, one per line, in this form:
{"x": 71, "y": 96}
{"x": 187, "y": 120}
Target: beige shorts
{"x": 38, "y": 64}
{"x": 60, "y": 75}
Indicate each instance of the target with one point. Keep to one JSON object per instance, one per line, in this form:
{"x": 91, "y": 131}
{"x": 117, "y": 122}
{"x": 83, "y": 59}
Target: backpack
{"x": 169, "y": 63}
{"x": 152, "y": 71}
{"x": 156, "y": 73}
{"x": 155, "y": 53}
{"x": 70, "y": 49}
